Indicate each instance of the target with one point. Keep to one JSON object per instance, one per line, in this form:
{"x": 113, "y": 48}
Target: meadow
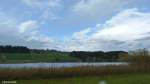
{"x": 34, "y": 57}
{"x": 113, "y": 79}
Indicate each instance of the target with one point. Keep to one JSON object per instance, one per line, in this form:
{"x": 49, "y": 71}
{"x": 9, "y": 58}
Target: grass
{"x": 113, "y": 79}
{"x": 23, "y": 58}
{"x": 130, "y": 79}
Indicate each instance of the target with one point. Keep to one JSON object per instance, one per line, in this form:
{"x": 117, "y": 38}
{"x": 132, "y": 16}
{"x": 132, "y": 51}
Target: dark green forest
{"x": 22, "y": 53}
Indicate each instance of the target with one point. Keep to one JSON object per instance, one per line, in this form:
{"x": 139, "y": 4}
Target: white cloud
{"x": 98, "y": 9}
{"x": 24, "y": 34}
{"x": 129, "y": 25}
{"x": 127, "y": 30}
{"x": 46, "y": 8}
{"x": 42, "y": 4}
{"x": 28, "y": 26}
{"x": 82, "y": 34}
{"x": 33, "y": 38}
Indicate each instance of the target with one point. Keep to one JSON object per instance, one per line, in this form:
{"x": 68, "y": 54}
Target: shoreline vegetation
{"x": 71, "y": 72}
{"x": 138, "y": 63}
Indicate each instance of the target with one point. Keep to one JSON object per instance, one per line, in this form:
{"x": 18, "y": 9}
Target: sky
{"x": 76, "y": 25}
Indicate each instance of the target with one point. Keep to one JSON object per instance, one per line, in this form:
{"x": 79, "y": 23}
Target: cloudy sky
{"x": 81, "y": 25}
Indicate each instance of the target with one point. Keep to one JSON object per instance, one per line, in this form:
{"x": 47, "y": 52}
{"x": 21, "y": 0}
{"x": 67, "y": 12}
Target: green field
{"x": 115, "y": 79}
{"x": 50, "y": 57}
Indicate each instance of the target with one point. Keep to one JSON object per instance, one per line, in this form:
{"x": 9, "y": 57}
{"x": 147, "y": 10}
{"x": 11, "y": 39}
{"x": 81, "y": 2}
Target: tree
{"x": 14, "y": 49}
{"x": 140, "y": 58}
{"x": 96, "y": 56}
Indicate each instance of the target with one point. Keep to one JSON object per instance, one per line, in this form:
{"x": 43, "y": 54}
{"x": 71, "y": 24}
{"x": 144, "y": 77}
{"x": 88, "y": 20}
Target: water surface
{"x": 57, "y": 65}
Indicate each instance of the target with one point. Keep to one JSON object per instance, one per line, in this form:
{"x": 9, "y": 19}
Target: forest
{"x": 9, "y": 52}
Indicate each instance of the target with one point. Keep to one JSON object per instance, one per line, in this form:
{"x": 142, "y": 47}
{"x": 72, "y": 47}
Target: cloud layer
{"x": 119, "y": 25}
{"x": 45, "y": 8}
{"x": 24, "y": 33}
{"x": 97, "y": 9}
{"x": 127, "y": 30}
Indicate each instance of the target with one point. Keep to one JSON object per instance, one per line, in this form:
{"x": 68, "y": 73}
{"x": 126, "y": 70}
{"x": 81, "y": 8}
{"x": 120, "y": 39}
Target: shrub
{"x": 139, "y": 58}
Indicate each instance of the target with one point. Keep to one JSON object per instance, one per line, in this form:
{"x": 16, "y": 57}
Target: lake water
{"x": 57, "y": 65}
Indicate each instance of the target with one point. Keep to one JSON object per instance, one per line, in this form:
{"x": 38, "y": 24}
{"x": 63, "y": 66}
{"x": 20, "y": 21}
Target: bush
{"x": 140, "y": 58}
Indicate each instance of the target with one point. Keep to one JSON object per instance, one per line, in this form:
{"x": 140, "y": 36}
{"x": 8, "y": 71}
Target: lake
{"x": 57, "y": 65}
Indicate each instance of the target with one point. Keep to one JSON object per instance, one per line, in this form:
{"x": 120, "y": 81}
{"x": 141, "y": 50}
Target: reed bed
{"x": 80, "y": 71}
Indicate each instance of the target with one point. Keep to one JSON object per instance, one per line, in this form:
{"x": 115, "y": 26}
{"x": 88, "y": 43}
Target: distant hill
{"x": 24, "y": 54}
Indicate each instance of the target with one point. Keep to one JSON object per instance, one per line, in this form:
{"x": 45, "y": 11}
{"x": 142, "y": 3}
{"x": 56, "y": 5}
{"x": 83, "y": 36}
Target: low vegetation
{"x": 83, "y": 71}
{"x": 113, "y": 79}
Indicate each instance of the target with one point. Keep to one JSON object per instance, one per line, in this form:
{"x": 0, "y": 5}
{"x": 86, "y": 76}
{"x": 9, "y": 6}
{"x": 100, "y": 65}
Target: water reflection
{"x": 57, "y": 65}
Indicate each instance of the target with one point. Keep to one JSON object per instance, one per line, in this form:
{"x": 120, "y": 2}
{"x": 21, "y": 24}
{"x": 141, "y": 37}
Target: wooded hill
{"x": 82, "y": 56}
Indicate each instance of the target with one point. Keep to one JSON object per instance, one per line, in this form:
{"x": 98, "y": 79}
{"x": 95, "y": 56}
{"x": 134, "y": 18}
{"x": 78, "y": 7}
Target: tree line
{"x": 97, "y": 55}
{"x": 14, "y": 49}
{"x": 23, "y": 49}
{"x": 83, "y": 56}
